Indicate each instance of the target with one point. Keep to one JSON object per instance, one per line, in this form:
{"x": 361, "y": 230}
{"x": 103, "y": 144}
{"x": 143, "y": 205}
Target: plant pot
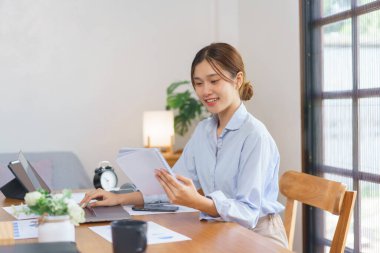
{"x": 56, "y": 229}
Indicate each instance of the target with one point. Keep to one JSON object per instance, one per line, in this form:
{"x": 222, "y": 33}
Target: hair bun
{"x": 246, "y": 91}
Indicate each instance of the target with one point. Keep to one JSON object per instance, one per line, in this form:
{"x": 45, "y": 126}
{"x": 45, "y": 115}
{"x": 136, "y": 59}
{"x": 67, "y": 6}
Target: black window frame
{"x": 312, "y": 96}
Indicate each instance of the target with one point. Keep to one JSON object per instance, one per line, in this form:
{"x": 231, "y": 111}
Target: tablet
{"x": 26, "y": 174}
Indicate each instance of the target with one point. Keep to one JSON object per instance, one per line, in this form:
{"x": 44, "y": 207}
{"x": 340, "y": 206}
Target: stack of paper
{"x": 139, "y": 165}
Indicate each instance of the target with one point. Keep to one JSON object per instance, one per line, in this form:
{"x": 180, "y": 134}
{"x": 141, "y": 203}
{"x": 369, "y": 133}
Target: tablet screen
{"x": 26, "y": 165}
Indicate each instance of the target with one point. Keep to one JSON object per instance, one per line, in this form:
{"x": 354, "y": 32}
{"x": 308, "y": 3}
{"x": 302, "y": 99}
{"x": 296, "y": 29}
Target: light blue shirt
{"x": 238, "y": 169}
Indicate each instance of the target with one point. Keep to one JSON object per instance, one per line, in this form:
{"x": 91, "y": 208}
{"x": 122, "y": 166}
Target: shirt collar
{"x": 236, "y": 120}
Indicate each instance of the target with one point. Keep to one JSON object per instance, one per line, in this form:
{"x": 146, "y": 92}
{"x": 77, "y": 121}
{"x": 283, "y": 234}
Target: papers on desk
{"x": 23, "y": 229}
{"x": 156, "y": 234}
{"x": 15, "y": 211}
{"x": 139, "y": 165}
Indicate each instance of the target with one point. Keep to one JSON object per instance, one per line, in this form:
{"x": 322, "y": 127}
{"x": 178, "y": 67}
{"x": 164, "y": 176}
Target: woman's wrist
{"x": 133, "y": 198}
{"x": 206, "y": 205}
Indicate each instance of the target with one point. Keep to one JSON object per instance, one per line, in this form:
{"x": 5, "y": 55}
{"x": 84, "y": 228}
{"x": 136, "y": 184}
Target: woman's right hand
{"x": 104, "y": 198}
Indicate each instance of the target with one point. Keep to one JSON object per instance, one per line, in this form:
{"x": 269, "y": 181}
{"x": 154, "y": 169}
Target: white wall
{"x": 78, "y": 74}
{"x": 269, "y": 43}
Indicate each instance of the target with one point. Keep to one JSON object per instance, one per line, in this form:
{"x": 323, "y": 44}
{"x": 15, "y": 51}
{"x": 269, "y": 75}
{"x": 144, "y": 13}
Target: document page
{"x": 156, "y": 233}
{"x": 24, "y": 229}
{"x": 139, "y": 165}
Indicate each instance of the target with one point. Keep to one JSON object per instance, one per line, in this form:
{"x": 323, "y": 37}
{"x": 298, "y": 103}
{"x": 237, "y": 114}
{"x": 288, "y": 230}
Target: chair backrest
{"x": 318, "y": 192}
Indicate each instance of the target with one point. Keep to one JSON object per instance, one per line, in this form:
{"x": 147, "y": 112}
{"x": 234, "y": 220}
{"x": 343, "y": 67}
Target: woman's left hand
{"x": 181, "y": 191}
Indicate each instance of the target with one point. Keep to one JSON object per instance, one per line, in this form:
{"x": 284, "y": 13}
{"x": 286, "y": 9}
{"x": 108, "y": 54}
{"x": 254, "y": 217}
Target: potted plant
{"x": 58, "y": 214}
{"x": 187, "y": 108}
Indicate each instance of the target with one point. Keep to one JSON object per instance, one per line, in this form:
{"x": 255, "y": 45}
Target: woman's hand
{"x": 181, "y": 192}
{"x": 105, "y": 198}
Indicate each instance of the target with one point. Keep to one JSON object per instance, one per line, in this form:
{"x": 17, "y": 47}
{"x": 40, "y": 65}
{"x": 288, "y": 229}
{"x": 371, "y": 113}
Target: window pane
{"x": 369, "y": 50}
{"x": 370, "y": 216}
{"x": 361, "y": 2}
{"x": 337, "y": 133}
{"x": 337, "y": 56}
{"x": 331, "y": 7}
{"x": 369, "y": 133}
{"x": 332, "y": 220}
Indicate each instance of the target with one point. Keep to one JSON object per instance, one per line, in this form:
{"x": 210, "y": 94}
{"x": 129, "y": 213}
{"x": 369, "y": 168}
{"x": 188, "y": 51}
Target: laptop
{"x": 29, "y": 178}
{"x": 105, "y": 213}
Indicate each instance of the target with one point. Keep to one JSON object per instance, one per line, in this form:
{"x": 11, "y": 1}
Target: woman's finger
{"x": 185, "y": 180}
{"x": 94, "y": 195}
{"x": 166, "y": 188}
{"x": 169, "y": 179}
{"x": 87, "y": 197}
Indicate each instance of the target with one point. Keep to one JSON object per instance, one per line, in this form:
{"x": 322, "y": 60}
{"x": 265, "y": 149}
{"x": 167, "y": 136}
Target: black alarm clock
{"x": 105, "y": 176}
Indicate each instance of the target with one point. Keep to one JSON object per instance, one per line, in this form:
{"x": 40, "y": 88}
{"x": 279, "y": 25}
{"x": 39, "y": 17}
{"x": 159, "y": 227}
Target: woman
{"x": 229, "y": 167}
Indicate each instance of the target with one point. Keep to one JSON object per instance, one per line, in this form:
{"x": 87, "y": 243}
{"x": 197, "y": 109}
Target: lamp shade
{"x": 158, "y": 128}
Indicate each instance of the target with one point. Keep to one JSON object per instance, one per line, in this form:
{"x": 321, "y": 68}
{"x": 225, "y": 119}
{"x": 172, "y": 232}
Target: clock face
{"x": 108, "y": 180}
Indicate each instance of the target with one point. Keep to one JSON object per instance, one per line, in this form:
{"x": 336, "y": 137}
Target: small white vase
{"x": 56, "y": 229}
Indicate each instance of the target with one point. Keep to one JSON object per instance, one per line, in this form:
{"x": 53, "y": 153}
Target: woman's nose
{"x": 207, "y": 89}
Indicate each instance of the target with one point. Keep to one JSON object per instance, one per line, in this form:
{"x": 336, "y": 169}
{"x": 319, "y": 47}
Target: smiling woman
{"x": 229, "y": 168}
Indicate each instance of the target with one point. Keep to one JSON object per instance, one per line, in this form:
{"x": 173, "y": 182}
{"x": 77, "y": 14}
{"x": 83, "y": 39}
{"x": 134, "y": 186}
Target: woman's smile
{"x": 211, "y": 101}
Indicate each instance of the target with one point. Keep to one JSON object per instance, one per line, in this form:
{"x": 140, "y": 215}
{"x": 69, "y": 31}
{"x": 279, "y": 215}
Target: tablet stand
{"x": 14, "y": 189}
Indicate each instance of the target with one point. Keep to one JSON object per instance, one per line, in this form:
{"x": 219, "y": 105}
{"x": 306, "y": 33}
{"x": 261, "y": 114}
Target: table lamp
{"x": 158, "y": 130}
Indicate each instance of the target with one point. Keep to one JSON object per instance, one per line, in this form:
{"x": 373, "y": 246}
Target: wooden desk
{"x": 206, "y": 237}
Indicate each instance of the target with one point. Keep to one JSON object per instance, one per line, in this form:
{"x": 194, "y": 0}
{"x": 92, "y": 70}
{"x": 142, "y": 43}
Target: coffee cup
{"x": 129, "y": 236}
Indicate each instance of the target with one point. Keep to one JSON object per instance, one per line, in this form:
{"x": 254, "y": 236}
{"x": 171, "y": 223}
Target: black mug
{"x": 129, "y": 236}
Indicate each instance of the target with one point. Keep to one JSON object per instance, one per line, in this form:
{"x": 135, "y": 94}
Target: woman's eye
{"x": 214, "y": 81}
{"x": 198, "y": 84}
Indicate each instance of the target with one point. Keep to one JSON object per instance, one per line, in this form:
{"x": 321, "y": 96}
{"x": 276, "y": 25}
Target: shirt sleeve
{"x": 259, "y": 158}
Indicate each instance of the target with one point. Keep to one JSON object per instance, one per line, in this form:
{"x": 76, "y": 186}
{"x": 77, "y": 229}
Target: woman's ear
{"x": 239, "y": 79}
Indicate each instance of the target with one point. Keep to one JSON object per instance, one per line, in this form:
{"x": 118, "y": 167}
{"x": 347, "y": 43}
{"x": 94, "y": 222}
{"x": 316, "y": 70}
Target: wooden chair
{"x": 318, "y": 192}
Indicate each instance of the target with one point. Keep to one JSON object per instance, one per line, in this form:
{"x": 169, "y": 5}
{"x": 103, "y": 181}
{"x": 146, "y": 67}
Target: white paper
{"x": 156, "y": 234}
{"x": 25, "y": 229}
{"x": 182, "y": 209}
{"x": 18, "y": 213}
{"x": 139, "y": 165}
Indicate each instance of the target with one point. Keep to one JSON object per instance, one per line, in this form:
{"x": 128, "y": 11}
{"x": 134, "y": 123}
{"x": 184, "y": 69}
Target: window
{"x": 342, "y": 114}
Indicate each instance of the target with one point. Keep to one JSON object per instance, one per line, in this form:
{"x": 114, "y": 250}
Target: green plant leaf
{"x": 187, "y": 107}
{"x": 175, "y": 85}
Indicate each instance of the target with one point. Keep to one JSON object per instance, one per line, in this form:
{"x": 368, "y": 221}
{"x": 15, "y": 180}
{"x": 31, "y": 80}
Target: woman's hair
{"x": 224, "y": 56}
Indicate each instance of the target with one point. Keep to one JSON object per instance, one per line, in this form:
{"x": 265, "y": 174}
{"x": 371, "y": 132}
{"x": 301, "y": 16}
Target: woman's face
{"x": 216, "y": 94}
